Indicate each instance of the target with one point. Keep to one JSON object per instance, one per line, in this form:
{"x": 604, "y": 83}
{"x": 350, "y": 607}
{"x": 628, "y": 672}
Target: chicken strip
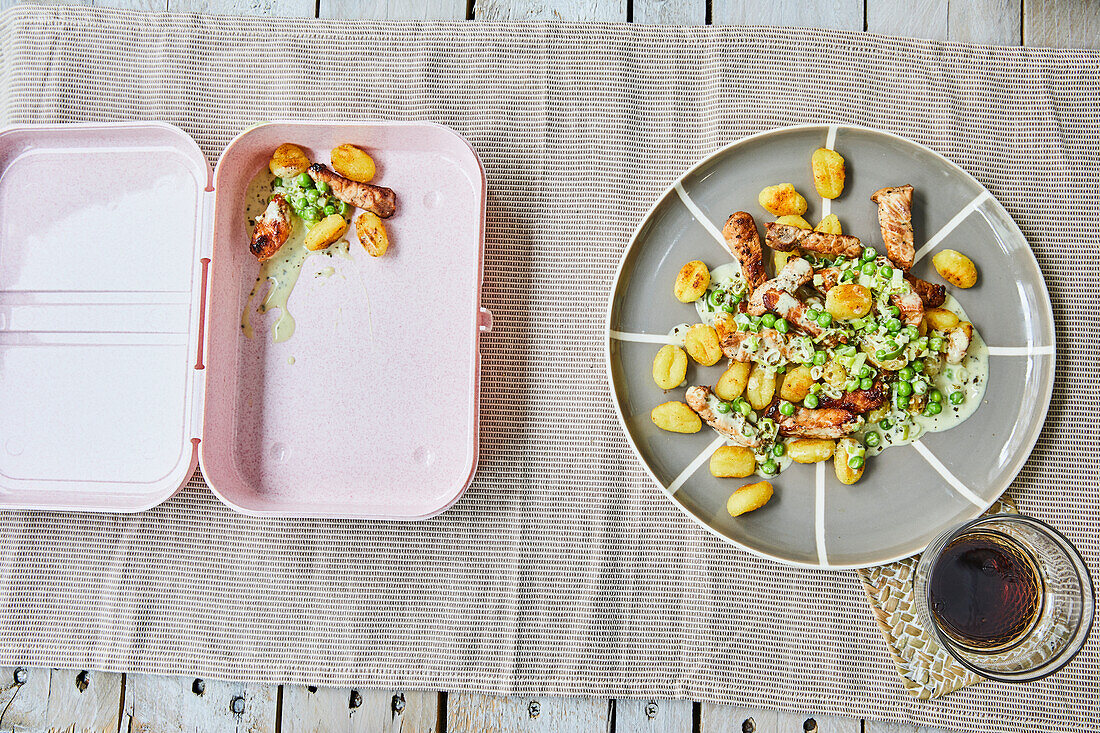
{"x": 820, "y": 422}
{"x": 830, "y": 278}
{"x": 743, "y": 242}
{"x": 743, "y": 345}
{"x": 958, "y": 341}
{"x": 789, "y": 307}
{"x": 733, "y": 426}
{"x": 380, "y": 200}
{"x": 785, "y": 238}
{"x": 796, "y": 273}
{"x": 895, "y": 218}
{"x": 860, "y": 400}
{"x": 911, "y": 307}
{"x": 272, "y": 229}
{"x": 930, "y": 294}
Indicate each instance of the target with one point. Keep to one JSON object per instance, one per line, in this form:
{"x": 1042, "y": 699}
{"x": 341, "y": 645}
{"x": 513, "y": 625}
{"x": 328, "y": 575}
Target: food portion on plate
{"x": 298, "y": 207}
{"x": 828, "y": 349}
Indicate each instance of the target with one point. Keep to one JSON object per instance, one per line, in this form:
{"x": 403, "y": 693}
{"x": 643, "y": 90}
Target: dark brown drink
{"x": 984, "y": 591}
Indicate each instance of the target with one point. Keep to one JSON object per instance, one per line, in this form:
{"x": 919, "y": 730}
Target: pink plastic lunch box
{"x": 124, "y": 272}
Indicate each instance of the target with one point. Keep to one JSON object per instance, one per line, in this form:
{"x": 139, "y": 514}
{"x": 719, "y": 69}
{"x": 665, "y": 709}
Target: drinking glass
{"x": 1063, "y": 609}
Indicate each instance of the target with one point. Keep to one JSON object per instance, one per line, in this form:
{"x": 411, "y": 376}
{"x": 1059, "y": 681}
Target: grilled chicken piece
{"x": 796, "y": 273}
{"x": 787, "y": 306}
{"x": 731, "y": 425}
{"x": 895, "y": 218}
{"x": 930, "y": 294}
{"x": 272, "y": 229}
{"x": 820, "y": 422}
{"x": 743, "y": 242}
{"x": 830, "y": 278}
{"x": 737, "y": 345}
{"x": 859, "y": 401}
{"x": 958, "y": 341}
{"x": 784, "y": 238}
{"x": 911, "y": 307}
{"x": 380, "y": 200}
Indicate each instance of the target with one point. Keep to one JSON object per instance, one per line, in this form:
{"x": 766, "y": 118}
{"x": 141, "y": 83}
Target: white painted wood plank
{"x": 652, "y": 716}
{"x": 154, "y": 704}
{"x": 840, "y": 14}
{"x": 911, "y": 18}
{"x": 608, "y": 10}
{"x": 670, "y": 12}
{"x": 160, "y": 5}
{"x": 985, "y": 21}
{"x": 23, "y": 696}
{"x": 394, "y": 9}
{"x": 811, "y": 723}
{"x": 344, "y": 710}
{"x": 878, "y": 726}
{"x": 476, "y": 713}
{"x": 83, "y": 701}
{"x": 714, "y": 718}
{"x": 1062, "y": 23}
{"x": 282, "y": 8}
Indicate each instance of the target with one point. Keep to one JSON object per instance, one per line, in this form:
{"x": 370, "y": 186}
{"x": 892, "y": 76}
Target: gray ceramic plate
{"x": 903, "y": 500}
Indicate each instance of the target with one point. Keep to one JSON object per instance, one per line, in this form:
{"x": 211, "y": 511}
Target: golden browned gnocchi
{"x": 351, "y": 162}
{"x": 828, "y": 169}
{"x": 732, "y": 382}
{"x": 956, "y": 268}
{"x": 761, "y": 387}
{"x": 794, "y": 220}
{"x": 749, "y": 498}
{"x": 829, "y": 225}
{"x": 325, "y": 232}
{"x": 288, "y": 161}
{"x": 848, "y": 461}
{"x": 670, "y": 367}
{"x": 732, "y": 461}
{"x": 691, "y": 282}
{"x": 372, "y": 233}
{"x": 676, "y": 417}
{"x": 796, "y": 383}
{"x": 782, "y": 199}
{"x": 940, "y": 319}
{"x": 810, "y": 450}
{"x": 847, "y": 301}
{"x": 701, "y": 342}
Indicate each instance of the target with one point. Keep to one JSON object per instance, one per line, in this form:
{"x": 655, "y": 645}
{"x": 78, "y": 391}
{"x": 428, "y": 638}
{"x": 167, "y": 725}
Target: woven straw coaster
{"x": 926, "y": 668}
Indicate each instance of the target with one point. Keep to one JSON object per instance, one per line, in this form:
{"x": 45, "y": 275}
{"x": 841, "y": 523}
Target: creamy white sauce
{"x": 679, "y": 333}
{"x": 727, "y": 274}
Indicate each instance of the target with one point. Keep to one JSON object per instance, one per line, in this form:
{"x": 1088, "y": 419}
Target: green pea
{"x": 869, "y": 253}
{"x": 894, "y": 311}
{"x": 864, "y": 371}
{"x": 917, "y": 366}
{"x": 824, "y": 319}
{"x": 901, "y": 402}
{"x": 912, "y": 332}
{"x": 957, "y": 397}
{"x": 715, "y": 297}
{"x": 819, "y": 358}
{"x": 312, "y": 195}
{"x": 723, "y": 407}
{"x": 935, "y": 396}
{"x": 768, "y": 319}
{"x": 886, "y": 271}
{"x": 866, "y": 383}
{"x": 310, "y": 213}
{"x": 905, "y": 374}
{"x": 851, "y": 385}
{"x": 933, "y": 408}
{"x": 744, "y": 408}
{"x": 277, "y": 182}
{"x": 737, "y": 298}
{"x": 855, "y": 462}
{"x": 869, "y": 268}
{"x": 849, "y": 275}
{"x": 870, "y": 326}
{"x": 729, "y": 308}
{"x": 935, "y": 343}
{"x": 782, "y": 326}
{"x": 323, "y": 186}
{"x": 872, "y": 439}
{"x": 810, "y": 401}
{"x": 786, "y": 408}
{"x": 305, "y": 181}
{"x": 893, "y": 325}
{"x": 329, "y": 210}
{"x": 904, "y": 388}
{"x": 769, "y": 467}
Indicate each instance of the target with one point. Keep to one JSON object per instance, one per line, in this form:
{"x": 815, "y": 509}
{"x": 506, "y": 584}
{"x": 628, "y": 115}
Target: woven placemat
{"x": 926, "y": 669}
{"x": 563, "y": 570}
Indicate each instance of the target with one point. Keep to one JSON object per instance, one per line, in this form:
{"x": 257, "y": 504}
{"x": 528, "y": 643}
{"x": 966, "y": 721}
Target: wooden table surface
{"x": 75, "y": 700}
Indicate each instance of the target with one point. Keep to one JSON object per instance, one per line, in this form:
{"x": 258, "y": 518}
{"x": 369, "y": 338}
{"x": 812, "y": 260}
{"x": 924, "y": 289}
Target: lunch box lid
{"x": 107, "y": 242}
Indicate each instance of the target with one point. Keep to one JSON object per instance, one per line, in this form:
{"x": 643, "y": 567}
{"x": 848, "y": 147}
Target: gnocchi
{"x": 828, "y": 170}
{"x": 676, "y": 417}
{"x": 782, "y": 199}
{"x": 288, "y": 161}
{"x": 733, "y": 381}
{"x": 829, "y": 225}
{"x": 325, "y": 232}
{"x": 810, "y": 450}
{"x": 848, "y": 461}
{"x": 847, "y": 301}
{"x": 372, "y": 233}
{"x": 352, "y": 162}
{"x": 794, "y": 220}
{"x": 761, "y": 387}
{"x": 692, "y": 282}
{"x": 940, "y": 319}
{"x": 749, "y": 498}
{"x": 796, "y": 384}
{"x": 732, "y": 461}
{"x": 956, "y": 268}
{"x": 701, "y": 342}
{"x": 670, "y": 367}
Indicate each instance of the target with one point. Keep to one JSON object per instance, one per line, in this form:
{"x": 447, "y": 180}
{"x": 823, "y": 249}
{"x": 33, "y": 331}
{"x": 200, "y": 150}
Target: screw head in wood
{"x": 237, "y": 705}
{"x": 198, "y": 687}
{"x": 20, "y": 676}
{"x": 651, "y": 710}
{"x": 355, "y": 700}
{"x": 810, "y": 726}
{"x": 748, "y": 725}
{"x": 533, "y": 708}
{"x": 398, "y": 703}
{"x": 82, "y": 680}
